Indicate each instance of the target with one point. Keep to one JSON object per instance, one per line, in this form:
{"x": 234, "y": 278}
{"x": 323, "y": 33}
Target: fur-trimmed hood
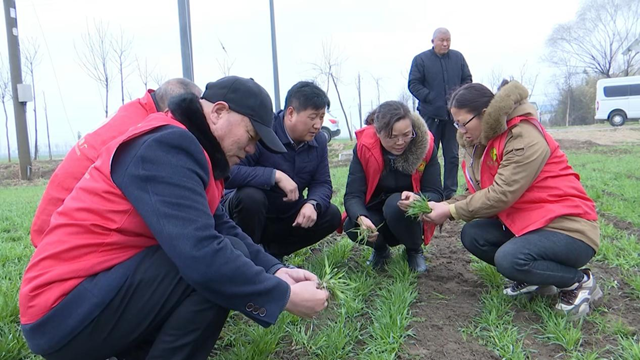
{"x": 410, "y": 159}
{"x": 509, "y": 102}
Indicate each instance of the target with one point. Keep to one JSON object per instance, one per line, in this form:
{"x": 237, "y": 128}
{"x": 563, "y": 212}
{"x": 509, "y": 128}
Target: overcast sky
{"x": 376, "y": 38}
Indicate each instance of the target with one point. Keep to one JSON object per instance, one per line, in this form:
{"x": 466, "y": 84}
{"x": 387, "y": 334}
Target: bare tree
{"x": 527, "y": 79}
{"x": 329, "y": 68}
{"x": 377, "y": 81}
{"x": 595, "y": 39}
{"x": 144, "y": 72}
{"x": 95, "y": 58}
{"x": 46, "y": 120}
{"x": 359, "y": 89}
{"x": 329, "y": 64}
{"x": 31, "y": 55}
{"x": 405, "y": 97}
{"x": 495, "y": 78}
{"x": 346, "y": 118}
{"x": 5, "y": 95}
{"x": 158, "y": 78}
{"x": 121, "y": 47}
{"x": 226, "y": 64}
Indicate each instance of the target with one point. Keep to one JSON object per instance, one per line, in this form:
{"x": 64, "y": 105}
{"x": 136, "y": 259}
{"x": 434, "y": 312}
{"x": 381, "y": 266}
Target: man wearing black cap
{"x": 268, "y": 203}
{"x": 141, "y": 261}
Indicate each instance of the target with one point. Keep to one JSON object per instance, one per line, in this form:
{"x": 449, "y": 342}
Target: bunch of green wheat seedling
{"x": 419, "y": 207}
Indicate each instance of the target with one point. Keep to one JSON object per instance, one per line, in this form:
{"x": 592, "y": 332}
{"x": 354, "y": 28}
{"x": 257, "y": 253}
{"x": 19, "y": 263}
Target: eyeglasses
{"x": 404, "y": 138}
{"x": 463, "y": 126}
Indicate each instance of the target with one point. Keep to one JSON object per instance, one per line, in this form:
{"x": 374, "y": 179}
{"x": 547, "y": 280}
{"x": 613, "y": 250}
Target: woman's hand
{"x": 366, "y": 223}
{"x": 406, "y": 198}
{"x": 439, "y": 213}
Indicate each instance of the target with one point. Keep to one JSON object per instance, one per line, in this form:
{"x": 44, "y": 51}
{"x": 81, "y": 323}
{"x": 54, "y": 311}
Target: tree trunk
{"x": 6, "y": 126}
{"x": 106, "y": 99}
{"x": 360, "y": 99}
{"x": 46, "y": 120}
{"x": 342, "y": 107}
{"x": 568, "y": 106}
{"x": 35, "y": 120}
{"x": 121, "y": 82}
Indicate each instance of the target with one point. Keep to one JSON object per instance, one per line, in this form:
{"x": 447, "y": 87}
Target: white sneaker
{"x": 577, "y": 299}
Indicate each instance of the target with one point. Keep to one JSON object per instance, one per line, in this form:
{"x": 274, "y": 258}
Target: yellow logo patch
{"x": 494, "y": 154}
{"x": 422, "y": 166}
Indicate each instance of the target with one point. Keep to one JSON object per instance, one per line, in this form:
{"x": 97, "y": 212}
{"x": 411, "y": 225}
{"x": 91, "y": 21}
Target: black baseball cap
{"x": 248, "y": 98}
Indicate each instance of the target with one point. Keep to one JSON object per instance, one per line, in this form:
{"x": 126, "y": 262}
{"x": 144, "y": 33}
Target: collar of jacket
{"x": 410, "y": 159}
{"x": 509, "y": 102}
{"x": 187, "y": 110}
{"x": 281, "y": 131}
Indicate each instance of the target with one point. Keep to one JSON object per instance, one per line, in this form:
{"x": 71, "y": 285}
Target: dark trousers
{"x": 248, "y": 207}
{"x": 154, "y": 315}
{"x": 541, "y": 257}
{"x": 397, "y": 229}
{"x": 444, "y": 132}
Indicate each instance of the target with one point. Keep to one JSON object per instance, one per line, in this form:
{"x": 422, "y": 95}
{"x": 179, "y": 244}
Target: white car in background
{"x": 330, "y": 127}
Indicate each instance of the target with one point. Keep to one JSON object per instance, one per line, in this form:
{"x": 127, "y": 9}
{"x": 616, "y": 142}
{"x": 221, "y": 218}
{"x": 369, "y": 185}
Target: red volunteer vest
{"x": 370, "y": 155}
{"x": 95, "y": 229}
{"x": 82, "y": 156}
{"x": 554, "y": 193}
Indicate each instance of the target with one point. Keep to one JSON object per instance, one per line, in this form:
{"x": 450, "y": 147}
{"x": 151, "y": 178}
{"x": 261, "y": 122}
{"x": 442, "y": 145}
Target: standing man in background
{"x": 434, "y": 75}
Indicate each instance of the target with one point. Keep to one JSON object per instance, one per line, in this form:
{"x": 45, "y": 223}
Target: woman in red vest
{"x": 393, "y": 161}
{"x": 527, "y": 213}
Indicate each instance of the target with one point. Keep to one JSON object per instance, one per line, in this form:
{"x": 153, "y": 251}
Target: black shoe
{"x": 379, "y": 258}
{"x": 416, "y": 260}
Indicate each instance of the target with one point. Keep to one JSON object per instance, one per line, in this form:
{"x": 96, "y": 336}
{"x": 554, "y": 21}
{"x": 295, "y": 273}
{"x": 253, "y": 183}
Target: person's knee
{"x": 511, "y": 262}
{"x": 334, "y": 217}
{"x": 391, "y": 210}
{"x": 239, "y": 245}
{"x": 468, "y": 236}
{"x": 253, "y": 198}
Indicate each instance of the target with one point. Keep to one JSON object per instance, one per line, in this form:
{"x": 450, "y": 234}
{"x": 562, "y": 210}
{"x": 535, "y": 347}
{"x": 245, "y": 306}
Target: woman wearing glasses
{"x": 528, "y": 214}
{"x": 393, "y": 163}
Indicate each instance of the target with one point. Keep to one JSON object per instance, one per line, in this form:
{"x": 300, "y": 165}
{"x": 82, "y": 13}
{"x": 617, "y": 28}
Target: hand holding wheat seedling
{"x": 419, "y": 207}
{"x": 334, "y": 281}
{"x": 365, "y": 234}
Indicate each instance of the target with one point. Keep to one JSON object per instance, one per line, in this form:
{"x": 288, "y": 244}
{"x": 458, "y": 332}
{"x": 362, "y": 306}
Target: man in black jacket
{"x": 434, "y": 75}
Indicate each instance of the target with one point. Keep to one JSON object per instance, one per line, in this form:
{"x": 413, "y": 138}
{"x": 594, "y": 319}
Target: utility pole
{"x": 19, "y": 107}
{"x": 184, "y": 15}
{"x": 274, "y": 51}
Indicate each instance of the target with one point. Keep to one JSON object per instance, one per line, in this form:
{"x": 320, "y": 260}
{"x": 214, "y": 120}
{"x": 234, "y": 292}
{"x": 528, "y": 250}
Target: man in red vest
{"x": 140, "y": 261}
{"x": 85, "y": 152}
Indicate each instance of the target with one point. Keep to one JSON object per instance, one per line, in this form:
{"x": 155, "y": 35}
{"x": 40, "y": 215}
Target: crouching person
{"x": 393, "y": 164}
{"x": 527, "y": 213}
{"x": 141, "y": 261}
{"x": 268, "y": 202}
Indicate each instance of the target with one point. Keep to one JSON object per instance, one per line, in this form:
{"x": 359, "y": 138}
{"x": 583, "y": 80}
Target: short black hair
{"x": 306, "y": 95}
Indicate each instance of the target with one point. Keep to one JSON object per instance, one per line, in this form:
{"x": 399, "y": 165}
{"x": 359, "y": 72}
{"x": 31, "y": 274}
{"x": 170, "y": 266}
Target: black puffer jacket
{"x": 433, "y": 78}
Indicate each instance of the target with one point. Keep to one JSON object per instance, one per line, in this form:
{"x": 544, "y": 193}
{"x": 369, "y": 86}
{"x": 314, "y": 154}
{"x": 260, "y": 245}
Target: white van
{"x": 618, "y": 99}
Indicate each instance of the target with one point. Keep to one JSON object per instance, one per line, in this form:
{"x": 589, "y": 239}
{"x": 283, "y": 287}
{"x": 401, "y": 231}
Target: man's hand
{"x": 306, "y": 300}
{"x": 287, "y": 185}
{"x": 406, "y": 198}
{"x": 294, "y": 276}
{"x": 365, "y": 223}
{"x": 306, "y": 217}
{"x": 439, "y": 213}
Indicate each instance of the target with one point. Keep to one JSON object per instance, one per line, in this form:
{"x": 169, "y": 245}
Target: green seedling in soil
{"x": 364, "y": 233}
{"x": 334, "y": 281}
{"x": 419, "y": 207}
